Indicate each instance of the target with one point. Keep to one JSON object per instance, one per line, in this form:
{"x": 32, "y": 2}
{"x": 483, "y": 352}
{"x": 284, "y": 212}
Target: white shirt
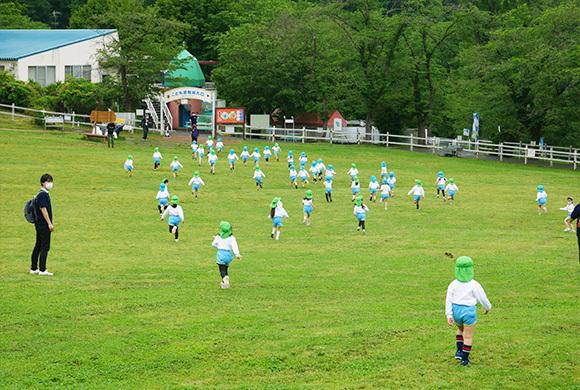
{"x": 466, "y": 294}
{"x": 201, "y": 150}
{"x": 157, "y": 155}
{"x": 209, "y": 142}
{"x": 327, "y": 184}
{"x": 245, "y": 154}
{"x": 196, "y": 180}
{"x": 256, "y": 154}
{"x": 279, "y": 212}
{"x": 441, "y": 180}
{"x": 569, "y": 208}
{"x": 391, "y": 180}
{"x": 162, "y": 194}
{"x": 212, "y": 157}
{"x": 385, "y": 189}
{"x": 228, "y": 244}
{"x": 175, "y": 164}
{"x": 303, "y": 174}
{"x": 290, "y": 159}
{"x": 451, "y": 187}
{"x": 220, "y": 144}
{"x": 258, "y": 174}
{"x": 177, "y": 210}
{"x": 267, "y": 153}
{"x": 231, "y": 156}
{"x": 314, "y": 170}
{"x": 276, "y": 149}
{"x": 383, "y": 171}
{"x": 541, "y": 195}
{"x": 360, "y": 209}
{"x": 303, "y": 159}
{"x": 129, "y": 163}
{"x": 321, "y": 167}
{"x": 293, "y": 172}
{"x": 416, "y": 190}
{"x": 330, "y": 172}
{"x": 374, "y": 185}
{"x": 355, "y": 185}
{"x": 352, "y": 172}
{"x": 307, "y": 202}
{"x": 194, "y": 147}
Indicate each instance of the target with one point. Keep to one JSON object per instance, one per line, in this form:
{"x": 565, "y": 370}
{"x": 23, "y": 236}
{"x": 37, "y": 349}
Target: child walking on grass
{"x": 290, "y": 159}
{"x": 276, "y": 213}
{"x": 440, "y": 183}
{"x": 308, "y": 206}
{"x": 195, "y": 182}
{"x": 175, "y": 164}
{"x": 245, "y": 155}
{"x": 232, "y": 157}
{"x": 314, "y": 170}
{"x": 129, "y": 166}
{"x": 256, "y": 155}
{"x": 355, "y": 186}
{"x": 162, "y": 196}
{"x": 175, "y": 216}
{"x": 193, "y": 150}
{"x": 303, "y": 173}
{"x": 293, "y": 174}
{"x": 383, "y": 170}
{"x": 462, "y": 295}
{"x": 200, "y": 154}
{"x": 385, "y": 193}
{"x": 353, "y": 172}
{"x": 328, "y": 189}
{"x": 330, "y": 172}
{"x": 219, "y": 146}
{"x": 277, "y": 151}
{"x": 373, "y": 188}
{"x": 391, "y": 182}
{"x": 258, "y": 175}
{"x": 267, "y": 154}
{"x": 542, "y": 199}
{"x": 225, "y": 243}
{"x": 451, "y": 189}
{"x": 418, "y": 192}
{"x": 359, "y": 211}
{"x": 212, "y": 158}
{"x": 568, "y": 221}
{"x": 156, "y": 158}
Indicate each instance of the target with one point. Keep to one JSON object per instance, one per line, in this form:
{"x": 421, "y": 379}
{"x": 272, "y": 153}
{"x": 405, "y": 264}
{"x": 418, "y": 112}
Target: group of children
{"x": 542, "y": 200}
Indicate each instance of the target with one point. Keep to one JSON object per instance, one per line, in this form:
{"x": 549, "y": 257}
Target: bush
{"x": 15, "y": 91}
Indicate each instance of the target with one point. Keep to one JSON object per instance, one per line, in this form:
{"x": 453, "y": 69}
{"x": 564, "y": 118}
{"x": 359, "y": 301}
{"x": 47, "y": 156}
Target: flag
{"x": 475, "y": 128}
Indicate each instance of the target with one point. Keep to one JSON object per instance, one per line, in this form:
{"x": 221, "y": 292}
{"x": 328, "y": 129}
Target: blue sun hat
{"x": 391, "y": 174}
{"x": 256, "y": 150}
{"x": 162, "y": 187}
{"x": 330, "y": 167}
{"x": 231, "y": 151}
{"x": 267, "y": 147}
{"x": 219, "y": 140}
{"x": 373, "y": 179}
{"x": 303, "y": 154}
{"x": 464, "y": 269}
{"x": 313, "y": 163}
{"x": 440, "y": 174}
{"x": 195, "y": 142}
{"x": 383, "y": 164}
{"x": 384, "y": 181}
{"x": 319, "y": 160}
{"x": 328, "y": 179}
{"x": 245, "y": 148}
{"x": 540, "y": 188}
{"x": 292, "y": 166}
{"x": 301, "y": 167}
{"x": 289, "y": 153}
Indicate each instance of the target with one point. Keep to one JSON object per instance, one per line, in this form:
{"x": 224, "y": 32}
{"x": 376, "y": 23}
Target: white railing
{"x": 166, "y": 113}
{"x": 151, "y": 109}
{"x": 76, "y": 120}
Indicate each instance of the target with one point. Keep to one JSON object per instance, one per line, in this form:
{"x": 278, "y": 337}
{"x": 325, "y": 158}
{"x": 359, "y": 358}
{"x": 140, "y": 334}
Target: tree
{"x": 15, "y": 91}
{"x": 12, "y": 17}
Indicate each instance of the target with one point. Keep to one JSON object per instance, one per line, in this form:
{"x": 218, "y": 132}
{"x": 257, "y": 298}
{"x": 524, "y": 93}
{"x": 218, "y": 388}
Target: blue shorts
{"x": 392, "y": 186}
{"x": 259, "y": 179}
{"x": 174, "y": 220}
{"x": 384, "y": 174}
{"x": 195, "y": 187}
{"x": 464, "y": 315}
{"x": 128, "y": 167}
{"x": 201, "y": 154}
{"x": 361, "y": 216}
{"x": 385, "y": 196}
{"x": 441, "y": 186}
{"x": 352, "y": 176}
{"x": 256, "y": 159}
{"x": 292, "y": 178}
{"x": 232, "y": 160}
{"x": 303, "y": 178}
{"x": 356, "y": 190}
{"x": 542, "y": 201}
{"x": 373, "y": 191}
{"x": 277, "y": 152}
{"x": 224, "y": 257}
{"x": 219, "y": 149}
{"x": 277, "y": 221}
{"x": 307, "y": 210}
{"x": 451, "y": 193}
{"x": 329, "y": 190}
{"x": 175, "y": 168}
{"x": 163, "y": 201}
{"x": 244, "y": 159}
{"x": 156, "y": 160}
{"x": 212, "y": 163}
{"x": 417, "y": 197}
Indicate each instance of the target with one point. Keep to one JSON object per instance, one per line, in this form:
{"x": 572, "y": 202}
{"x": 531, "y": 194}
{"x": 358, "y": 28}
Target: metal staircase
{"x": 160, "y": 113}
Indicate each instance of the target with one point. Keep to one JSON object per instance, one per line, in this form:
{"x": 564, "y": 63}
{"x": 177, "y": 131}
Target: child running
{"x": 195, "y": 182}
{"x": 440, "y": 183}
{"x": 314, "y": 170}
{"x": 290, "y": 159}
{"x": 162, "y": 196}
{"x": 225, "y": 243}
{"x": 156, "y": 158}
{"x": 383, "y": 170}
{"x": 321, "y": 167}
{"x": 232, "y": 157}
{"x": 353, "y": 172}
{"x": 308, "y": 206}
{"x": 258, "y": 175}
{"x": 330, "y": 172}
{"x": 219, "y": 146}
{"x": 209, "y": 142}
{"x": 391, "y": 181}
{"x": 211, "y": 159}
{"x": 328, "y": 189}
{"x": 373, "y": 188}
{"x": 451, "y": 189}
{"x": 355, "y": 186}
{"x": 175, "y": 164}
{"x": 303, "y": 174}
{"x": 193, "y": 150}
{"x": 277, "y": 151}
{"x": 568, "y": 221}
{"x": 200, "y": 154}
{"x": 276, "y": 213}
{"x": 129, "y": 166}
{"x": 360, "y": 210}
{"x": 175, "y": 216}
{"x": 385, "y": 193}
{"x": 462, "y": 296}
{"x": 417, "y": 192}
{"x": 267, "y": 154}
{"x": 256, "y": 155}
{"x": 303, "y": 159}
{"x": 542, "y": 199}
{"x": 245, "y": 155}
{"x": 293, "y": 175}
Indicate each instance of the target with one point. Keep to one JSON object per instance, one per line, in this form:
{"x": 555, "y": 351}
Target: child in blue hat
{"x": 386, "y": 192}
{"x": 293, "y": 174}
{"x": 391, "y": 182}
{"x": 303, "y": 173}
{"x": 232, "y": 157}
{"x": 219, "y": 146}
{"x": 328, "y": 189}
{"x": 256, "y": 155}
{"x": 162, "y": 196}
{"x": 542, "y": 198}
{"x": 440, "y": 183}
{"x": 374, "y": 187}
{"x": 245, "y": 155}
{"x": 267, "y": 154}
{"x": 314, "y": 170}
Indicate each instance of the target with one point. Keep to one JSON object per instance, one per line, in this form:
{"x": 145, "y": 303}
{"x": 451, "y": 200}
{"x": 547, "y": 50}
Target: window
{"x": 43, "y": 75}
{"x": 78, "y": 71}
{"x": 2, "y": 67}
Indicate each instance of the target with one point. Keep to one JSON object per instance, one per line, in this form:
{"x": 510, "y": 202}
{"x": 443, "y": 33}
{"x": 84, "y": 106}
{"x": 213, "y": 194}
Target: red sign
{"x": 229, "y": 115}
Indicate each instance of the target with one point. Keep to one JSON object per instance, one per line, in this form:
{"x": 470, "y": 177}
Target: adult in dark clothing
{"x": 576, "y": 215}
{"x": 194, "y": 131}
{"x": 111, "y": 135}
{"x": 145, "y": 123}
{"x": 44, "y": 227}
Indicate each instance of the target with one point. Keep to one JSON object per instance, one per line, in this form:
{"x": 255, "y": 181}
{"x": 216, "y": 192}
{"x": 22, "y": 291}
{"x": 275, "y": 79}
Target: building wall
{"x": 195, "y": 106}
{"x": 82, "y": 53}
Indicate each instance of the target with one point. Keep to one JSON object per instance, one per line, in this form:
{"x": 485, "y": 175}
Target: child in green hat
{"x": 277, "y": 211}
{"x": 175, "y": 216}
{"x": 451, "y": 189}
{"x": 195, "y": 182}
{"x": 258, "y": 175}
{"x": 277, "y": 149}
{"x": 175, "y": 164}
{"x": 360, "y": 210}
{"x": 225, "y": 243}
{"x": 129, "y": 166}
{"x": 157, "y": 158}
{"x": 417, "y": 192}
{"x": 462, "y": 295}
{"x": 308, "y": 206}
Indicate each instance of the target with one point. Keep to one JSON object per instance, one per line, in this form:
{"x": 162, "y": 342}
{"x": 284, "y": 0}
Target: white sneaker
{"x": 566, "y": 230}
{"x": 176, "y": 240}
{"x": 34, "y": 271}
{"x": 358, "y": 228}
{"x": 45, "y": 273}
{"x": 226, "y": 282}
{"x": 223, "y": 285}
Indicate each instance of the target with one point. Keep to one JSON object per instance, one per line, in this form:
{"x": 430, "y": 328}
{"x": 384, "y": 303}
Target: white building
{"x": 48, "y": 56}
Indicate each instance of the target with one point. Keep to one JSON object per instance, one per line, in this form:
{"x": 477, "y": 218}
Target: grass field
{"x": 323, "y": 308}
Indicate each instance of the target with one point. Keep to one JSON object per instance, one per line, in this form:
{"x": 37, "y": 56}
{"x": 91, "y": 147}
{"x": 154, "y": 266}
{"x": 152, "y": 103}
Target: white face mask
{"x": 48, "y": 185}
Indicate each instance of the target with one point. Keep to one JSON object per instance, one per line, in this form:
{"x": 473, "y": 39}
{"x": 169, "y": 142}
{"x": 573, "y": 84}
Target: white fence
{"x": 444, "y": 146}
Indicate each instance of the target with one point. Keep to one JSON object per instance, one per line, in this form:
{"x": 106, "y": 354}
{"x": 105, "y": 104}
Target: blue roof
{"x": 17, "y": 44}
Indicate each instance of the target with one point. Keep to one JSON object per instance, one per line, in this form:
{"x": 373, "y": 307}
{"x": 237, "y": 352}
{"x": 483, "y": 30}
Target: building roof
{"x": 190, "y": 76}
{"x": 313, "y": 120}
{"x": 17, "y": 44}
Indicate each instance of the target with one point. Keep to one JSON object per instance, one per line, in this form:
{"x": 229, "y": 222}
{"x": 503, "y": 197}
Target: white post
{"x": 358, "y": 137}
{"x": 551, "y": 156}
{"x": 411, "y": 142}
{"x": 273, "y": 133}
{"x": 213, "y": 120}
{"x": 575, "y": 158}
{"x": 433, "y": 145}
{"x": 387, "y": 143}
{"x": 500, "y": 149}
{"x": 331, "y": 135}
{"x": 477, "y": 149}
{"x": 526, "y": 155}
{"x": 12, "y": 112}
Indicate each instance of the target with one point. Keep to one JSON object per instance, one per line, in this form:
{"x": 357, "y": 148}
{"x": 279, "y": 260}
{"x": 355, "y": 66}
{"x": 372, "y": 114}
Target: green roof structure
{"x": 190, "y": 76}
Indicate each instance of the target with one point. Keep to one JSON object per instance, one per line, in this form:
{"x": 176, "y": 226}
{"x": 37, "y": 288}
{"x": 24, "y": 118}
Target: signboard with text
{"x": 229, "y": 115}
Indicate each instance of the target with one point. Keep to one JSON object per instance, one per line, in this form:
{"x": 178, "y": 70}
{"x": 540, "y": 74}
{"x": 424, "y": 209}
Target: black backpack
{"x": 30, "y": 210}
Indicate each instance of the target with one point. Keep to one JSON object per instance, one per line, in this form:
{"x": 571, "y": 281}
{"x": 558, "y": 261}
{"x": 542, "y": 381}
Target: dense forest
{"x": 396, "y": 64}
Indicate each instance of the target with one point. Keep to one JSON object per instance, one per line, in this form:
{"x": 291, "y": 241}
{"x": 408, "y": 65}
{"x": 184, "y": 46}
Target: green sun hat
{"x": 353, "y": 165}
{"x": 257, "y": 168}
{"x": 359, "y": 200}
{"x": 275, "y": 202}
{"x": 156, "y": 149}
{"x": 418, "y": 182}
{"x": 196, "y": 174}
{"x": 129, "y": 157}
{"x": 452, "y": 180}
{"x": 209, "y": 137}
{"x": 175, "y": 158}
{"x": 309, "y": 194}
{"x": 174, "y": 199}
{"x": 276, "y": 144}
{"x": 464, "y": 269}
{"x": 225, "y": 229}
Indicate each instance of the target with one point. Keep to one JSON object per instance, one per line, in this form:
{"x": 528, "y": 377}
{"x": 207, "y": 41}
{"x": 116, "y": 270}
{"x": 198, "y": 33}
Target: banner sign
{"x": 188, "y": 93}
{"x": 229, "y": 115}
{"x": 475, "y": 127}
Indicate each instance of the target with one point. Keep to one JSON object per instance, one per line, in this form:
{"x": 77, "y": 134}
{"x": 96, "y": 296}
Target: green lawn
{"x": 323, "y": 308}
